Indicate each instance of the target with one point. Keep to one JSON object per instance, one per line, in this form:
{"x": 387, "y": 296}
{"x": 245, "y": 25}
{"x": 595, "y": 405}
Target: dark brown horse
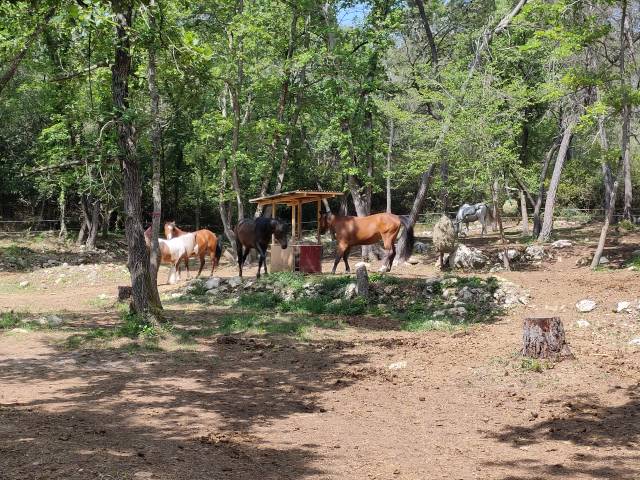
{"x": 256, "y": 233}
{"x": 205, "y": 242}
{"x": 351, "y": 231}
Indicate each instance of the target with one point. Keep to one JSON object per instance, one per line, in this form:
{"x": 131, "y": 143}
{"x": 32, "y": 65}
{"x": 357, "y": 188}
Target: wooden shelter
{"x": 301, "y": 257}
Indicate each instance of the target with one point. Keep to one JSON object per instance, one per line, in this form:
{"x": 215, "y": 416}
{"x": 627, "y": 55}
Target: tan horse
{"x": 205, "y": 242}
{"x": 351, "y": 231}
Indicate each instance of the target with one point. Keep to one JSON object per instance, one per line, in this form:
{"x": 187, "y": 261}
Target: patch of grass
{"x": 627, "y": 225}
{"x": 9, "y": 320}
{"x": 239, "y": 322}
{"x": 294, "y": 280}
{"x": 385, "y": 279}
{"x": 357, "y": 306}
{"x": 259, "y": 301}
{"x": 535, "y": 365}
{"x": 332, "y": 284}
{"x": 633, "y": 262}
{"x": 315, "y": 305}
{"x": 198, "y": 289}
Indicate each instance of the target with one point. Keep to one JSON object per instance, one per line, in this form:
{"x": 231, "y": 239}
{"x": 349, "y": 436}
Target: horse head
{"x": 169, "y": 228}
{"x": 279, "y": 232}
{"x": 326, "y": 219}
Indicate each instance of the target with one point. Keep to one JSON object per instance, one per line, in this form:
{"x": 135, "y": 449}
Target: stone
{"x": 212, "y": 282}
{"x": 398, "y": 365}
{"x": 430, "y": 282}
{"x": 458, "y": 311}
{"x": 412, "y": 260}
{"x": 582, "y": 323}
{"x": 362, "y": 280}
{"x": 634, "y": 341}
{"x": 449, "y": 293}
{"x": 420, "y": 247}
{"x": 54, "y": 320}
{"x": 603, "y": 261}
{"x": 234, "y": 282}
{"x": 586, "y": 305}
{"x": 561, "y": 244}
{"x": 622, "y": 307}
{"x": 512, "y": 254}
{"x": 351, "y": 291}
{"x": 24, "y": 284}
{"x": 534, "y": 252}
{"x": 467, "y": 258}
{"x": 19, "y": 330}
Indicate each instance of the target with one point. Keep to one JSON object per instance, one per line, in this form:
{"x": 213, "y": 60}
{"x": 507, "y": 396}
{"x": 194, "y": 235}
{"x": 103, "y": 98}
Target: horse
{"x": 205, "y": 240}
{"x": 171, "y": 252}
{"x": 351, "y": 231}
{"x": 256, "y": 233}
{"x": 472, "y": 213}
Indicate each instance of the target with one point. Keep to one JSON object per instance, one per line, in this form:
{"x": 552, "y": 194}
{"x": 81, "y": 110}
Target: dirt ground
{"x": 365, "y": 402}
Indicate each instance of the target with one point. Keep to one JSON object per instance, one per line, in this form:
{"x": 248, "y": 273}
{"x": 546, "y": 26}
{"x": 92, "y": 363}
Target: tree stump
{"x": 362, "y": 280}
{"x": 544, "y": 338}
{"x": 124, "y": 292}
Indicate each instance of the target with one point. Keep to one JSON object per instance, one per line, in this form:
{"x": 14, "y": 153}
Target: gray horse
{"x": 471, "y": 213}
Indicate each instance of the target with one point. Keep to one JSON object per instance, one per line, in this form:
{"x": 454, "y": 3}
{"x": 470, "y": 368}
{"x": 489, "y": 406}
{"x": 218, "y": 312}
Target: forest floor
{"x": 362, "y": 400}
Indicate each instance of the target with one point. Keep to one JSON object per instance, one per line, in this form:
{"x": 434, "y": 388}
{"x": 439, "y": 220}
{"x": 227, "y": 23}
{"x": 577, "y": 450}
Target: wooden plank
{"x": 318, "y": 214}
{"x": 299, "y": 208}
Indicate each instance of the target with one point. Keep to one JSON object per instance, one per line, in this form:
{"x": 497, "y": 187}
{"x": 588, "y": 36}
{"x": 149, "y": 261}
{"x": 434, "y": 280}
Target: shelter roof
{"x": 294, "y": 197}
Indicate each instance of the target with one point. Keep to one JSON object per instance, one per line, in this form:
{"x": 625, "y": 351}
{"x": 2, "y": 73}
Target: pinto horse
{"x": 256, "y": 233}
{"x": 205, "y": 242}
{"x": 171, "y": 252}
{"x": 351, "y": 231}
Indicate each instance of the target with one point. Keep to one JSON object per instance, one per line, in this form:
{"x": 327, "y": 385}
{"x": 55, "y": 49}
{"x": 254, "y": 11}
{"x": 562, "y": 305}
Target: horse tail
{"x": 409, "y": 238}
{"x": 218, "y": 249}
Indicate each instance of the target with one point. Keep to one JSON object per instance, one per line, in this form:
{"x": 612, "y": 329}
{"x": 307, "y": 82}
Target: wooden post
{"x": 544, "y": 338}
{"x": 318, "y": 213}
{"x": 299, "y": 221}
{"x": 293, "y": 222}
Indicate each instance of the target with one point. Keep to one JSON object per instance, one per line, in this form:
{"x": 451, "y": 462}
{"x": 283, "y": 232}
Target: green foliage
{"x": 535, "y": 365}
{"x": 9, "y": 320}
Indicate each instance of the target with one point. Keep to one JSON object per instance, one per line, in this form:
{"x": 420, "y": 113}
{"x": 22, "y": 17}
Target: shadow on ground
{"x": 604, "y": 429}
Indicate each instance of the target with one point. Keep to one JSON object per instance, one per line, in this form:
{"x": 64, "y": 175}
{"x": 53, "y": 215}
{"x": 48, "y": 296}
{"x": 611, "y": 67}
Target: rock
{"x": 398, "y": 365}
{"x": 603, "y": 261}
{"x": 54, "y": 320}
{"x": 430, "y": 282}
{"x": 561, "y": 244}
{"x": 65, "y": 264}
{"x": 449, "y": 293}
{"x": 24, "y": 284}
{"x": 512, "y": 254}
{"x": 465, "y": 294}
{"x": 534, "y": 252}
{"x": 420, "y": 247}
{"x": 351, "y": 291}
{"x": 465, "y": 257}
{"x": 622, "y": 307}
{"x": 212, "y": 282}
{"x": 212, "y": 291}
{"x": 582, "y": 323}
{"x": 496, "y": 268}
{"x": 362, "y": 280}
{"x": 510, "y": 295}
{"x": 413, "y": 260}
{"x": 234, "y": 282}
{"x": 635, "y": 341}
{"x": 458, "y": 311}
{"x": 586, "y": 305}
{"x": 19, "y": 330}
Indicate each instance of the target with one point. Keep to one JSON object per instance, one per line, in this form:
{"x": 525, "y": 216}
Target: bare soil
{"x": 364, "y": 402}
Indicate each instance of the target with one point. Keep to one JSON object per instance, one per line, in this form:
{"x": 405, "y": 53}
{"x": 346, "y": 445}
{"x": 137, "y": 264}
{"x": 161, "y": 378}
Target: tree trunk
{"x": 156, "y": 159}
{"x": 391, "y": 132}
{"x": 608, "y": 218}
{"x": 427, "y": 30}
{"x": 418, "y": 202}
{"x": 544, "y": 338}
{"x": 523, "y": 212}
{"x": 94, "y": 224}
{"x": 138, "y": 260}
{"x": 537, "y": 222}
{"x": 82, "y": 232}
{"x": 498, "y": 221}
{"x": 62, "y": 202}
{"x": 547, "y": 225}
{"x": 626, "y": 119}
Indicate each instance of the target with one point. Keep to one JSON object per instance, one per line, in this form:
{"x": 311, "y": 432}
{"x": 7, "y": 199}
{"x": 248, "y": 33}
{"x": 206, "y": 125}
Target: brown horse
{"x": 172, "y": 252}
{"x": 205, "y": 242}
{"x": 351, "y": 231}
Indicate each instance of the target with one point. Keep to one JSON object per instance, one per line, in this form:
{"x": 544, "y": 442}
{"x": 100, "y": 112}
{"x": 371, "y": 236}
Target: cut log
{"x": 124, "y": 293}
{"x": 544, "y": 338}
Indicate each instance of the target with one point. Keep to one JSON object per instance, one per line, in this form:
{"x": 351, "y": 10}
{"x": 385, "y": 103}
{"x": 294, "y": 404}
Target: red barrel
{"x": 310, "y": 258}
